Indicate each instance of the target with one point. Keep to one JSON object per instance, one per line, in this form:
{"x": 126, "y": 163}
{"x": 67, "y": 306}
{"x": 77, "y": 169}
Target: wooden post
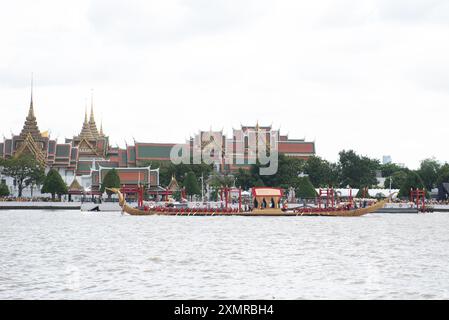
{"x": 240, "y": 199}
{"x": 350, "y": 198}
{"x": 319, "y": 200}
{"x": 226, "y": 197}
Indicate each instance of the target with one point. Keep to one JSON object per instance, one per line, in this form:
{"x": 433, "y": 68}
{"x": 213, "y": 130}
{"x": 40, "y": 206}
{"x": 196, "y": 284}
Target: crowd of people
{"x": 437, "y": 202}
{"x": 24, "y": 199}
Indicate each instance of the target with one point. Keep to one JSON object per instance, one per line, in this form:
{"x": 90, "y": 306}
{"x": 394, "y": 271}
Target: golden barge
{"x": 274, "y": 212}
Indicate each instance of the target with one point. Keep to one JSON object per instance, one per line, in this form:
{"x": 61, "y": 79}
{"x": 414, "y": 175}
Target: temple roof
{"x": 153, "y": 151}
{"x": 101, "y": 129}
{"x": 92, "y": 125}
{"x": 63, "y": 150}
{"x": 173, "y": 185}
{"x": 256, "y": 127}
{"x": 139, "y": 175}
{"x": 8, "y": 147}
{"x": 29, "y": 146}
{"x": 86, "y": 133}
{"x": 75, "y": 185}
{"x": 30, "y": 125}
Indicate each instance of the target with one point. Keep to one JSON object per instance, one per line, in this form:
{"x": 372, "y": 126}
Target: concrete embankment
{"x": 440, "y": 208}
{"x": 17, "y": 205}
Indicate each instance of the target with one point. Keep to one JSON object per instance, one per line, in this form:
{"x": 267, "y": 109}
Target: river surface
{"x": 74, "y": 255}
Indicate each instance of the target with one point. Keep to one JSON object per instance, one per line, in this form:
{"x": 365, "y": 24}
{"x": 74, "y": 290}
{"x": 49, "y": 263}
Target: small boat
{"x": 329, "y": 212}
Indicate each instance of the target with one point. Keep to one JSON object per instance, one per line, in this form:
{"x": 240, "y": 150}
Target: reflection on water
{"x": 73, "y": 255}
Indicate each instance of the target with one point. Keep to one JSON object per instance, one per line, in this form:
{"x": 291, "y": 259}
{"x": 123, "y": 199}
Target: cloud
{"x": 339, "y": 71}
{"x": 412, "y": 11}
{"x": 143, "y": 22}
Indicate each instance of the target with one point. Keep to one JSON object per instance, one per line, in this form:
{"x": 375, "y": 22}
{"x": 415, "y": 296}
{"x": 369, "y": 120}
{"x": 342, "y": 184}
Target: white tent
{"x": 374, "y": 193}
{"x": 342, "y": 192}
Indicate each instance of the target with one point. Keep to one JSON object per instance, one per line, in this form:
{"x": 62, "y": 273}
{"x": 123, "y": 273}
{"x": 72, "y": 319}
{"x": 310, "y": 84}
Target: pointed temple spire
{"x": 75, "y": 186}
{"x": 93, "y": 126}
{"x": 31, "y": 111}
{"x": 85, "y": 131}
{"x": 101, "y": 129}
{"x": 173, "y": 185}
{"x": 30, "y": 125}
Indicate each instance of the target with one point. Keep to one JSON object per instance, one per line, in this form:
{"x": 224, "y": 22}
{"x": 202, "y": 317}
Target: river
{"x": 74, "y": 255}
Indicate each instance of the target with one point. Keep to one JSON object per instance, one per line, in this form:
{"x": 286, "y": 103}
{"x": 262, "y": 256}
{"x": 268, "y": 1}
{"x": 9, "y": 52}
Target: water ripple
{"x": 69, "y": 255}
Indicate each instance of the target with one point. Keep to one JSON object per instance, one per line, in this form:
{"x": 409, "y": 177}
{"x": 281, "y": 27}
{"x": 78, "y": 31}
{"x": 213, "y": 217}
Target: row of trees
{"x": 302, "y": 175}
{"x": 27, "y": 172}
{"x": 350, "y": 170}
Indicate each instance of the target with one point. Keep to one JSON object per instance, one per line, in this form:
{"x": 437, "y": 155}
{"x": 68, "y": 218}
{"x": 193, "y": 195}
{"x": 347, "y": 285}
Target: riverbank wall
{"x": 23, "y": 205}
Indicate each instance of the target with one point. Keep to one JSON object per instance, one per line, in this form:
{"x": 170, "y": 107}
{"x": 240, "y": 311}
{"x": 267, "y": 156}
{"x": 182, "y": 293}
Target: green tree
{"x": 363, "y": 193}
{"x": 397, "y": 180}
{"x": 177, "y": 195}
{"x": 217, "y": 180}
{"x": 191, "y": 184}
{"x": 321, "y": 172}
{"x": 24, "y": 169}
{"x": 304, "y": 188}
{"x": 111, "y": 180}
{"x": 37, "y": 178}
{"x": 199, "y": 169}
{"x": 357, "y": 171}
{"x": 288, "y": 170}
{"x": 428, "y": 171}
{"x": 167, "y": 169}
{"x": 443, "y": 174}
{"x": 389, "y": 169}
{"x": 413, "y": 181}
{"x": 259, "y": 183}
{"x": 255, "y": 173}
{"x": 4, "y": 190}
{"x": 244, "y": 179}
{"x": 54, "y": 184}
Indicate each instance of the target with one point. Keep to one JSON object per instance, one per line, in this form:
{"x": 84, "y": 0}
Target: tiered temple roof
{"x": 86, "y": 132}
{"x": 75, "y": 187}
{"x": 173, "y": 185}
{"x": 101, "y": 130}
{"x": 92, "y": 125}
{"x": 30, "y": 125}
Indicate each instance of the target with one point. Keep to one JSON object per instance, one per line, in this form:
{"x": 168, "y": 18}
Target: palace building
{"x": 84, "y": 159}
{"x": 241, "y": 150}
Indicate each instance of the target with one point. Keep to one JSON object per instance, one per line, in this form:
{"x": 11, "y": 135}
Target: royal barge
{"x": 261, "y": 196}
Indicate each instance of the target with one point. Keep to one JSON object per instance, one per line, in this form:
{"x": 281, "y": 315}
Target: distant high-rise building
{"x": 386, "y": 160}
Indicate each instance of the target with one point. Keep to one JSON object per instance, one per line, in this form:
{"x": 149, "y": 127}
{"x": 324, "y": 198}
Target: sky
{"x": 372, "y": 76}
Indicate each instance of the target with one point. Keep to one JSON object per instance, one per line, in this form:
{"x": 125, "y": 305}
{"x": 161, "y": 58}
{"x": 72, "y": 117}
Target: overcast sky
{"x": 372, "y": 76}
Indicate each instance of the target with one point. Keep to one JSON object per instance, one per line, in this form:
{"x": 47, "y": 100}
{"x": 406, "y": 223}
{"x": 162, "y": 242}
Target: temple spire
{"x": 31, "y": 112}
{"x": 93, "y": 126}
{"x": 85, "y": 116}
{"x": 30, "y": 125}
{"x": 85, "y": 131}
{"x": 101, "y": 129}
